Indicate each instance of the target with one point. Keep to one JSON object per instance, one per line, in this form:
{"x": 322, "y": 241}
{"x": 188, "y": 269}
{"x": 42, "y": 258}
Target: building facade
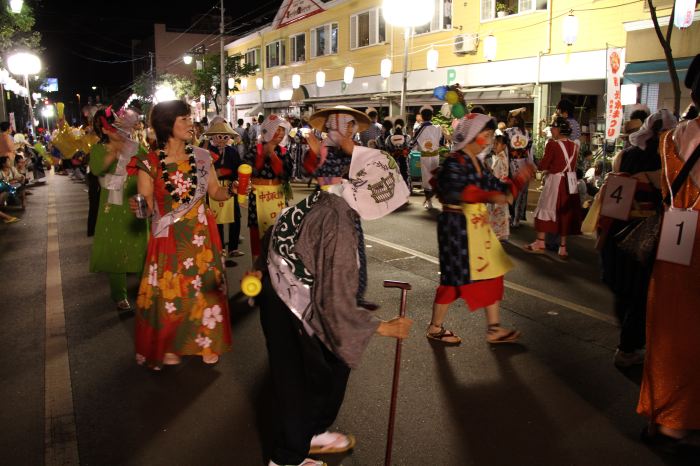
{"x": 532, "y": 66}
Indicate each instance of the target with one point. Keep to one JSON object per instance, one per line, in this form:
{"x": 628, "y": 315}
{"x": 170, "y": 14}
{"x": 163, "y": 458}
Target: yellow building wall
{"x": 519, "y": 36}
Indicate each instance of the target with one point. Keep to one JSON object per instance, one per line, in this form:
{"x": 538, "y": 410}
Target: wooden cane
{"x": 397, "y": 366}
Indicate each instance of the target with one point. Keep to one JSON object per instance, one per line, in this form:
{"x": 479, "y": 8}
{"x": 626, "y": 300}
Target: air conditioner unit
{"x": 465, "y": 43}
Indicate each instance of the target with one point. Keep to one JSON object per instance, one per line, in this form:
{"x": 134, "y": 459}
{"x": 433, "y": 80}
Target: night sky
{"x": 79, "y": 36}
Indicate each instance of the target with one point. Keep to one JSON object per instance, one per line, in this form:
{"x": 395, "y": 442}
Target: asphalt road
{"x": 553, "y": 399}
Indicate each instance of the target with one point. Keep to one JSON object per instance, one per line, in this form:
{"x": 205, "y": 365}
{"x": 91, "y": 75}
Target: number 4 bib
{"x": 677, "y": 236}
{"x": 618, "y": 197}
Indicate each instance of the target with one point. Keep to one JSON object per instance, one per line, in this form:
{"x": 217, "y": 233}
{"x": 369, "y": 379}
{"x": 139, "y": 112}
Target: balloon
{"x": 439, "y": 92}
{"x": 458, "y": 110}
{"x": 445, "y": 110}
{"x": 451, "y": 97}
{"x": 59, "y": 110}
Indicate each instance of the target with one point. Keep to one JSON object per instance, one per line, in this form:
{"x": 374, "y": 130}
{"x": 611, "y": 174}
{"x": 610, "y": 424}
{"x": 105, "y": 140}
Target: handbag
{"x": 640, "y": 238}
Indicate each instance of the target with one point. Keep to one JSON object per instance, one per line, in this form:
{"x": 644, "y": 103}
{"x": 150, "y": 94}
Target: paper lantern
{"x": 490, "y": 45}
{"x": 683, "y": 13}
{"x": 320, "y": 79}
{"x": 348, "y": 74}
{"x": 259, "y": 83}
{"x": 569, "y": 30}
{"x": 432, "y": 59}
{"x": 231, "y": 83}
{"x": 628, "y": 94}
{"x": 244, "y": 84}
{"x": 451, "y": 97}
{"x": 276, "y": 82}
{"x": 296, "y": 81}
{"x": 386, "y": 68}
{"x": 445, "y": 110}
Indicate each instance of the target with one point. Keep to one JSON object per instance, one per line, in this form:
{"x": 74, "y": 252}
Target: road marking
{"x": 60, "y": 435}
{"x": 587, "y": 311}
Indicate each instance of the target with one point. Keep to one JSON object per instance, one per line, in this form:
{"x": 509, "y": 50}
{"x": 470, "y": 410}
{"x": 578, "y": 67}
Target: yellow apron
{"x": 487, "y": 259}
{"x": 223, "y": 209}
{"x": 269, "y": 201}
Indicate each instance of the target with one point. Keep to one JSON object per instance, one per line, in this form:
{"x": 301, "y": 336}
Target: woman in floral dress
{"x": 182, "y": 305}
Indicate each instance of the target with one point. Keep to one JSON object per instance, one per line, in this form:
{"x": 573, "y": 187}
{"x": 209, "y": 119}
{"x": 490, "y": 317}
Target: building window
{"x": 275, "y": 54}
{"x": 367, "y": 28}
{"x": 297, "y": 48}
{"x": 324, "y": 40}
{"x": 252, "y": 57}
{"x": 511, "y": 7}
{"x": 442, "y": 18}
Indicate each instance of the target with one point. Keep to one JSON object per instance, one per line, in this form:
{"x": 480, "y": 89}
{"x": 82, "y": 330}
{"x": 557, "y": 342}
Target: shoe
{"x": 171, "y": 359}
{"x": 123, "y": 305}
{"x": 563, "y": 254}
{"x": 534, "y": 247}
{"x": 210, "y": 359}
{"x": 428, "y": 204}
{"x": 230, "y": 263}
{"x": 444, "y": 336}
{"x": 11, "y": 220}
{"x": 497, "y": 334}
{"x": 368, "y": 305}
{"x": 331, "y": 442}
{"x": 628, "y": 359}
{"x": 236, "y": 253}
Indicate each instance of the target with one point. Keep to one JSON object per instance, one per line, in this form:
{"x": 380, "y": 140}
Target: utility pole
{"x": 224, "y": 96}
{"x": 151, "y": 75}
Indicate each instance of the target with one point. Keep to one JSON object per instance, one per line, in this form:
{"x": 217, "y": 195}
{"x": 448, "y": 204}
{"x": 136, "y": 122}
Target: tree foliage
{"x": 16, "y": 32}
{"x": 207, "y": 80}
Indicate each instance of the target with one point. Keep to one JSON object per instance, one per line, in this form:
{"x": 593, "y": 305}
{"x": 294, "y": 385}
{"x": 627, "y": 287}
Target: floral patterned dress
{"x": 182, "y": 305}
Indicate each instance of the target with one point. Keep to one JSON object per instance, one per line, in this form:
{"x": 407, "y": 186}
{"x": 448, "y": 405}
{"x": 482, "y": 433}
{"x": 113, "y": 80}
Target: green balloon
{"x": 458, "y": 110}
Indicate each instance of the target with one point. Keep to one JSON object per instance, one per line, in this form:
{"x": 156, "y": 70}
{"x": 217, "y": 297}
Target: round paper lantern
{"x": 451, "y": 97}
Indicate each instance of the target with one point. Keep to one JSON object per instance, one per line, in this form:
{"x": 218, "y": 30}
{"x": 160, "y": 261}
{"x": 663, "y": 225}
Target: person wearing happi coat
{"x": 272, "y": 169}
{"x": 428, "y": 138}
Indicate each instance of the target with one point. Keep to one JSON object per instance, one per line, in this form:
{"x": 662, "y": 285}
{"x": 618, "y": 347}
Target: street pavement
{"x": 553, "y": 399}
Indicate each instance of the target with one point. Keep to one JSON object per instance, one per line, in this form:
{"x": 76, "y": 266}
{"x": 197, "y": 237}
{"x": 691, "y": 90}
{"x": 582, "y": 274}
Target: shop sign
{"x": 292, "y": 11}
{"x": 613, "y": 110}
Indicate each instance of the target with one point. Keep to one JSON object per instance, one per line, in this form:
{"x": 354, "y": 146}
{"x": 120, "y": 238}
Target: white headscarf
{"x": 646, "y": 132}
{"x": 467, "y": 129}
{"x": 337, "y": 127}
{"x": 268, "y": 128}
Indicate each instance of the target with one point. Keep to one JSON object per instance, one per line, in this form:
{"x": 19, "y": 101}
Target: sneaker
{"x": 625, "y": 359}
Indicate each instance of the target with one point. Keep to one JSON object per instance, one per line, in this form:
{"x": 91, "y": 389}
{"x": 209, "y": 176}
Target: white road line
{"x": 587, "y": 311}
{"x": 60, "y": 435}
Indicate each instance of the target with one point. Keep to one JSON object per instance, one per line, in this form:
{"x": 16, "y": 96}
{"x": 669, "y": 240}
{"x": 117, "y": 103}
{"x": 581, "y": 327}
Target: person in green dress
{"x": 119, "y": 245}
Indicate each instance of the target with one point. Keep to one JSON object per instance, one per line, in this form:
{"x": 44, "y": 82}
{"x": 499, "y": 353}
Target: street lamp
{"x": 187, "y": 59}
{"x": 16, "y": 5}
{"x": 25, "y": 64}
{"x": 47, "y": 112}
{"x": 407, "y": 14}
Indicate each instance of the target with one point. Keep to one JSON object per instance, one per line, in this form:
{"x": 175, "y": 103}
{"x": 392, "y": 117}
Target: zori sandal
{"x": 331, "y": 442}
{"x": 444, "y": 336}
{"x": 497, "y": 334}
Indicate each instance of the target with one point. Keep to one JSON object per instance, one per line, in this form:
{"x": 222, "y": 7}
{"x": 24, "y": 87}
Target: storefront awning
{"x": 655, "y": 71}
{"x": 253, "y": 112}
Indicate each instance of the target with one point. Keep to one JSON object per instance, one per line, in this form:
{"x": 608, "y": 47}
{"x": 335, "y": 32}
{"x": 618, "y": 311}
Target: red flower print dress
{"x": 182, "y": 304}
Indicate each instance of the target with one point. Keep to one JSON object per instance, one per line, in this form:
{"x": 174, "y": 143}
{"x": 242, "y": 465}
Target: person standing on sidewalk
{"x": 519, "y": 145}
{"x": 472, "y": 260}
{"x": 314, "y": 330}
{"x": 182, "y": 305}
{"x": 119, "y": 244}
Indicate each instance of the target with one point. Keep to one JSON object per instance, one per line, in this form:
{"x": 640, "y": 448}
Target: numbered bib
{"x": 619, "y": 194}
{"x": 677, "y": 236}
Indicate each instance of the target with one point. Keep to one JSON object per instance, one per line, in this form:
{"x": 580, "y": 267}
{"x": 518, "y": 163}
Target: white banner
{"x": 614, "y": 111}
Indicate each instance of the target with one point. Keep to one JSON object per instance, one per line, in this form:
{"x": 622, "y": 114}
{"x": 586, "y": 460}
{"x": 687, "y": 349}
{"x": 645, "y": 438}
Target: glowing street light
{"x": 407, "y": 14}
{"x": 16, "y": 5}
{"x": 187, "y": 59}
{"x": 164, "y": 93}
{"x": 24, "y": 63}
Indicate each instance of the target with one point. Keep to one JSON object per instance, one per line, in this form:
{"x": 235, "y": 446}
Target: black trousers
{"x": 234, "y": 229}
{"x": 309, "y": 381}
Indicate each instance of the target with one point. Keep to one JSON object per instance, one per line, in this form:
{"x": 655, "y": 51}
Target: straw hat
{"x": 319, "y": 118}
{"x": 632, "y": 125}
{"x": 220, "y": 127}
{"x": 370, "y": 110}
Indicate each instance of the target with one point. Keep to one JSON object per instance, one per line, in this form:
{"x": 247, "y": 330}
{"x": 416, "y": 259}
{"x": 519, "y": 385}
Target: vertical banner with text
{"x": 613, "y": 112}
